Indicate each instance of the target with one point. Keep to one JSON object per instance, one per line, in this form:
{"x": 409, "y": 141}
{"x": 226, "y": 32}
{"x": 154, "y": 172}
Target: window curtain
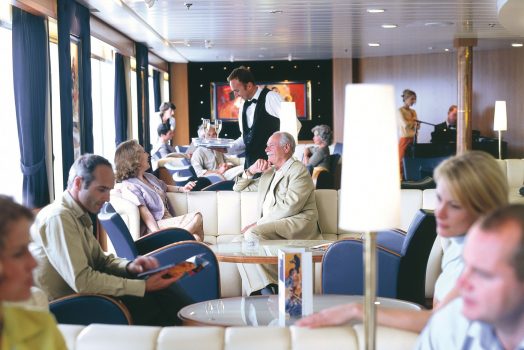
{"x": 121, "y": 112}
{"x": 73, "y": 19}
{"x": 156, "y": 89}
{"x": 30, "y": 45}
{"x": 142, "y": 65}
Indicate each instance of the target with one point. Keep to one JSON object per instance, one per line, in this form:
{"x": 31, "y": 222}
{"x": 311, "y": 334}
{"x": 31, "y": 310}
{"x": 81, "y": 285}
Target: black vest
{"x": 264, "y": 125}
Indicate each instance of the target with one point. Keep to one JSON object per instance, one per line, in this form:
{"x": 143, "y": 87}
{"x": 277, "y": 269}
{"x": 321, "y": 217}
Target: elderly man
{"x": 490, "y": 312}
{"x": 70, "y": 260}
{"x": 446, "y": 131}
{"x": 286, "y": 205}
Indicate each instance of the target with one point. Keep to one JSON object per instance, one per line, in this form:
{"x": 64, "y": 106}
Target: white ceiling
{"x": 305, "y": 29}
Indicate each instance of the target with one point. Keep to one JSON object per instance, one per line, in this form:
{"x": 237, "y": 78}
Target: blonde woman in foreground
{"x": 468, "y": 186}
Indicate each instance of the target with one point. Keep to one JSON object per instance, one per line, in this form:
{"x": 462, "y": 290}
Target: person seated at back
{"x": 446, "y": 131}
{"x": 148, "y": 192}
{"x": 207, "y": 161}
{"x": 286, "y": 204}
{"x": 489, "y": 314}
{"x": 70, "y": 259}
{"x": 167, "y": 114}
{"x": 318, "y": 156}
{"x": 21, "y": 328}
{"x": 162, "y": 147}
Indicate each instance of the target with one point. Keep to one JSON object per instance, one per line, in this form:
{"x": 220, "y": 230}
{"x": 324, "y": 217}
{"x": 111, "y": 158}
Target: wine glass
{"x": 218, "y": 127}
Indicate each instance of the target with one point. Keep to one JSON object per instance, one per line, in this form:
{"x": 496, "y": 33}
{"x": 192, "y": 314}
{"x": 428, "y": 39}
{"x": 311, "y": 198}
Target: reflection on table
{"x": 267, "y": 252}
{"x": 263, "y": 310}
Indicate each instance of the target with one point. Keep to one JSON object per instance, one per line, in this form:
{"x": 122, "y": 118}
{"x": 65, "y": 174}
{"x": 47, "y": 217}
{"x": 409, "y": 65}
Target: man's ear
{"x": 78, "y": 182}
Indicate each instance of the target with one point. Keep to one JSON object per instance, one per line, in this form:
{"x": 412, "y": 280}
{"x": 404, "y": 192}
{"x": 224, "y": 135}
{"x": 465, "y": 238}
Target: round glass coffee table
{"x": 262, "y": 310}
{"x": 267, "y": 251}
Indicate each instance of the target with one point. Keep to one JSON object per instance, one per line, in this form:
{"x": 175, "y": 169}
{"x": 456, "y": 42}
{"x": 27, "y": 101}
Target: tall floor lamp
{"x": 288, "y": 119}
{"x": 500, "y": 122}
{"x": 370, "y": 191}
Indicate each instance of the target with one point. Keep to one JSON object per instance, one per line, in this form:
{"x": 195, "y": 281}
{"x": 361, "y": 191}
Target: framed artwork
{"x": 225, "y": 106}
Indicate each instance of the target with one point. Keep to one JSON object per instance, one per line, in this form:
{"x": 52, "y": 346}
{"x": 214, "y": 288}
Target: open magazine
{"x": 188, "y": 267}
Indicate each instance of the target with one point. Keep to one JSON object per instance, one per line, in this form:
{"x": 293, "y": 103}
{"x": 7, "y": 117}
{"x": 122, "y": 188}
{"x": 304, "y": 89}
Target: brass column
{"x": 464, "y": 91}
{"x": 370, "y": 290}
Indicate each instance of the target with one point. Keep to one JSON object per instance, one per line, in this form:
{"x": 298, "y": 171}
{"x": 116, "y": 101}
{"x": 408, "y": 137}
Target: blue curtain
{"x": 142, "y": 63}
{"x": 65, "y": 11}
{"x": 73, "y": 19}
{"x": 86, "y": 103}
{"x": 30, "y": 45}
{"x": 156, "y": 89}
{"x": 120, "y": 100}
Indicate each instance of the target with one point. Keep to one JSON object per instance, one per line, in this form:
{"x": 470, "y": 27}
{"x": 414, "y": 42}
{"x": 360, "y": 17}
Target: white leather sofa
{"x": 110, "y": 337}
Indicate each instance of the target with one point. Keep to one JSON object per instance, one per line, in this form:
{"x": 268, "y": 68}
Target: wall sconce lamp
{"x": 500, "y": 122}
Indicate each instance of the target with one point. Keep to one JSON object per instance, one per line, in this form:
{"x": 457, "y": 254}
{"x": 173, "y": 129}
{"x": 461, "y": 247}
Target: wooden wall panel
{"x": 179, "y": 96}
{"x": 496, "y": 75}
{"x": 499, "y": 75}
{"x": 342, "y": 75}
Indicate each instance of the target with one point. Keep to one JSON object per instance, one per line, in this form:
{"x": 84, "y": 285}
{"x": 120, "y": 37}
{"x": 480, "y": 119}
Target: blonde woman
{"x": 21, "y": 328}
{"x": 407, "y": 125}
{"x": 149, "y": 193}
{"x": 468, "y": 186}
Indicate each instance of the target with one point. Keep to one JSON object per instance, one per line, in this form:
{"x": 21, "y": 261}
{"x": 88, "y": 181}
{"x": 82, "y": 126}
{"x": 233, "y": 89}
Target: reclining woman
{"x": 468, "y": 186}
{"x": 149, "y": 193}
{"x": 21, "y": 328}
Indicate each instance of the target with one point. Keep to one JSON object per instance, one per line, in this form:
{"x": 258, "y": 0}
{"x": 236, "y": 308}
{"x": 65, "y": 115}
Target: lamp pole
{"x": 370, "y": 308}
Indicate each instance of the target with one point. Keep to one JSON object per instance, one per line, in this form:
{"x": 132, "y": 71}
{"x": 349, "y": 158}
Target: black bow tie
{"x": 249, "y": 102}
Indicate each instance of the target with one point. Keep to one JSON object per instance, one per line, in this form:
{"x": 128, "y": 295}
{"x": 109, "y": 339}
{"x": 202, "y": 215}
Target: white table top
{"x": 263, "y": 310}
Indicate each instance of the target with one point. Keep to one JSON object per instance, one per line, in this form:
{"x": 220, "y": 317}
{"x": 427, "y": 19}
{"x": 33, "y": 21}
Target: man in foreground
{"x": 286, "y": 203}
{"x": 70, "y": 259}
{"x": 490, "y": 312}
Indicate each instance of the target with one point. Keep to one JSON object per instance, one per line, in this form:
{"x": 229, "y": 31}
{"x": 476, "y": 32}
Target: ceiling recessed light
{"x": 374, "y": 44}
{"x": 439, "y": 24}
{"x": 389, "y": 26}
{"x": 517, "y": 44}
{"x": 430, "y": 47}
{"x": 260, "y": 56}
{"x": 268, "y": 34}
{"x": 375, "y": 10}
{"x": 447, "y": 50}
{"x": 276, "y": 11}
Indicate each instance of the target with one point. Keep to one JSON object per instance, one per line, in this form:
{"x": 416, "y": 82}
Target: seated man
{"x": 70, "y": 260}
{"x": 207, "y": 161}
{"x": 162, "y": 147}
{"x": 286, "y": 202}
{"x": 446, "y": 131}
{"x": 490, "y": 312}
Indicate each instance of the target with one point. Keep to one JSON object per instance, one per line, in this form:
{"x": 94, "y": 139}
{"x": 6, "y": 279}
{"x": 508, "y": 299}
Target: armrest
{"x": 159, "y": 239}
{"x": 391, "y": 239}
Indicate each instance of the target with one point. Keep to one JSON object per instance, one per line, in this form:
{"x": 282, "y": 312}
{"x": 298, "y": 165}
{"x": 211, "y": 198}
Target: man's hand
{"x": 260, "y": 166}
{"x": 334, "y": 316}
{"x": 161, "y": 280}
{"x": 141, "y": 264}
{"x": 188, "y": 187}
{"x": 248, "y": 227}
{"x": 223, "y": 167}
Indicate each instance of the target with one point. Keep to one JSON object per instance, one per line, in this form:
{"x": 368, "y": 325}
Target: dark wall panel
{"x": 202, "y": 74}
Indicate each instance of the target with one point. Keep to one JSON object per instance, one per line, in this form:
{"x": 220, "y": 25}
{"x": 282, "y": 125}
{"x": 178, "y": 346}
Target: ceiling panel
{"x": 216, "y": 30}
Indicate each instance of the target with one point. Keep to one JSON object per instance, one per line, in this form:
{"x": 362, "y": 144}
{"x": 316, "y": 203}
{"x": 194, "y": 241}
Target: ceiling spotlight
{"x": 188, "y": 4}
{"x": 149, "y": 3}
{"x": 208, "y": 44}
{"x": 231, "y": 58}
{"x": 375, "y": 10}
{"x": 289, "y": 58}
{"x": 517, "y": 44}
{"x": 374, "y": 44}
{"x": 389, "y": 26}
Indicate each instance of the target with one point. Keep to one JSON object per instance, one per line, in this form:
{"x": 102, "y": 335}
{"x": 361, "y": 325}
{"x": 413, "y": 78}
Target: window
{"x": 103, "y": 98}
{"x": 11, "y": 176}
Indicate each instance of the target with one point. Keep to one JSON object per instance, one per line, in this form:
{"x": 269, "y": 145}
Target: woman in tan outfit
{"x": 407, "y": 124}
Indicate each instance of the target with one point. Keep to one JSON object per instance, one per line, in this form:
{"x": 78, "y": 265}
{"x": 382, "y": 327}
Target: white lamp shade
{"x": 288, "y": 119}
{"x": 370, "y": 189}
{"x": 500, "y": 121}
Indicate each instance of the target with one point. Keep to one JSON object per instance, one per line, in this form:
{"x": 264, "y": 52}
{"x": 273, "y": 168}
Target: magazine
{"x": 188, "y": 267}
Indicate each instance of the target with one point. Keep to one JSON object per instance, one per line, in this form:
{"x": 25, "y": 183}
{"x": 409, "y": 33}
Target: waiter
{"x": 260, "y": 115}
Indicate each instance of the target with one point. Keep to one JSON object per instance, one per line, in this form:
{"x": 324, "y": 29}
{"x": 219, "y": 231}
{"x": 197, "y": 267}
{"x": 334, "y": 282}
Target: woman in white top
{"x": 468, "y": 186}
